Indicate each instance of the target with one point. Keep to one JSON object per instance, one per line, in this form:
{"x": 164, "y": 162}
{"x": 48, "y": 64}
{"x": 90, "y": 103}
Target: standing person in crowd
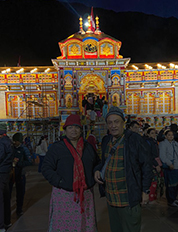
{"x": 97, "y": 110}
{"x": 135, "y": 126}
{"x": 84, "y": 102}
{"x": 145, "y": 129}
{"x": 151, "y": 140}
{"x": 6, "y": 157}
{"x": 89, "y": 106}
{"x": 41, "y": 151}
{"x": 105, "y": 109}
{"x": 92, "y": 140}
{"x": 92, "y": 117}
{"x": 21, "y": 159}
{"x": 68, "y": 166}
{"x": 173, "y": 128}
{"x": 169, "y": 156}
{"x": 128, "y": 173}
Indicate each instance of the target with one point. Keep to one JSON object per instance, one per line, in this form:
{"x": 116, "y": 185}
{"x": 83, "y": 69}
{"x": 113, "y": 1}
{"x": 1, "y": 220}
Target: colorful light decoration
{"x": 34, "y": 70}
{"x": 47, "y": 70}
{"x": 135, "y": 67}
{"x": 173, "y": 66}
{"x": 161, "y": 66}
{"x": 6, "y": 71}
{"x": 148, "y": 66}
{"x": 20, "y": 70}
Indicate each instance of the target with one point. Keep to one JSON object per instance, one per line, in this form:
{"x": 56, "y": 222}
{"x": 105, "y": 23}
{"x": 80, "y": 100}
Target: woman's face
{"x": 152, "y": 134}
{"x": 169, "y": 136}
{"x": 73, "y": 132}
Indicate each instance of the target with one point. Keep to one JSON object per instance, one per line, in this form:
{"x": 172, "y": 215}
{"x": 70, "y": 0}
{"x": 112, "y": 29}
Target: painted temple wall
{"x": 176, "y": 100}
{"x": 2, "y": 105}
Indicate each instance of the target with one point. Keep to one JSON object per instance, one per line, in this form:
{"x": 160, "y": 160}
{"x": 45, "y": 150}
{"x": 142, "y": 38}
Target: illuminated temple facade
{"x": 90, "y": 63}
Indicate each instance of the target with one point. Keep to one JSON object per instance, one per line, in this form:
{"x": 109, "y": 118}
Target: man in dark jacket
{"x": 127, "y": 176}
{"x": 5, "y": 168}
{"x": 21, "y": 159}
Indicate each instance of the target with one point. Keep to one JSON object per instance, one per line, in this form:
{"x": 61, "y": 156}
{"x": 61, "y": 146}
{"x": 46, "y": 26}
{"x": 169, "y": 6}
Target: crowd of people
{"x": 130, "y": 173}
{"x": 94, "y": 108}
{"x": 138, "y": 164}
{"x": 15, "y": 155}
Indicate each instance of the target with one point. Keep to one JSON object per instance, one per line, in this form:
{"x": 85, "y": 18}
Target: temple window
{"x": 17, "y": 107}
{"x": 133, "y": 103}
{"x": 135, "y": 76}
{"x": 164, "y": 103}
{"x": 151, "y": 76}
{"x": 148, "y": 104}
{"x": 166, "y": 75}
{"x": 68, "y": 82}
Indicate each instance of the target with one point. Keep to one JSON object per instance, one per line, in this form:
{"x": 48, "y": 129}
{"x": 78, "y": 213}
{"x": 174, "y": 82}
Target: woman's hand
{"x": 15, "y": 161}
{"x": 158, "y": 168}
{"x": 171, "y": 166}
{"x": 97, "y": 177}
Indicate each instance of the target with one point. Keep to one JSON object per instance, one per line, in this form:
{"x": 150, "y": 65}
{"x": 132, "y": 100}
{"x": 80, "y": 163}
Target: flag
{"x": 92, "y": 20}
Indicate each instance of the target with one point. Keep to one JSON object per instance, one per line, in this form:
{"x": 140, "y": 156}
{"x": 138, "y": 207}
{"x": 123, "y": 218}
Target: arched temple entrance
{"x": 91, "y": 85}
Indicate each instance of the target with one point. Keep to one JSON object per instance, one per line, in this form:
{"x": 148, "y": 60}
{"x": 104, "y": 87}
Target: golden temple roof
{"x": 80, "y": 36}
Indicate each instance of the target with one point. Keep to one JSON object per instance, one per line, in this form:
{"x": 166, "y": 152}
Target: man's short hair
{"x": 133, "y": 123}
{"x": 146, "y": 126}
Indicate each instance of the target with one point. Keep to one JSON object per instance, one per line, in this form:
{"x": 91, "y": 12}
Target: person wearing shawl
{"x": 68, "y": 166}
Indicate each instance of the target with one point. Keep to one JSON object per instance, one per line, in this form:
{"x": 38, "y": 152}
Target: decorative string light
{"x": 20, "y": 70}
{"x": 34, "y": 70}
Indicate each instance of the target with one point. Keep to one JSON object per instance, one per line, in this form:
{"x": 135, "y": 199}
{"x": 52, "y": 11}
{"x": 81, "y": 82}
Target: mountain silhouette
{"x": 32, "y": 29}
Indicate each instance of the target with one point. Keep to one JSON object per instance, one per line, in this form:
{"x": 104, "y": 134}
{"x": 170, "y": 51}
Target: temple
{"x": 90, "y": 65}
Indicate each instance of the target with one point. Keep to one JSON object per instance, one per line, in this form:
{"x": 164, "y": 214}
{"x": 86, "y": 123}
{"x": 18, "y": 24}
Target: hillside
{"x": 32, "y": 29}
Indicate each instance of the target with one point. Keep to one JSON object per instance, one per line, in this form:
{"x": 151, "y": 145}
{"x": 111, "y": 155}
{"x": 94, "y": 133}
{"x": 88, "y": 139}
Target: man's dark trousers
{"x": 125, "y": 219}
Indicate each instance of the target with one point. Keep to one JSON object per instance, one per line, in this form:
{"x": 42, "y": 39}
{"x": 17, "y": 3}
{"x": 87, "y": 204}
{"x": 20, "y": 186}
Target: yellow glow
{"x": 86, "y": 24}
{"x": 172, "y": 65}
{"x": 148, "y": 66}
{"x": 176, "y": 66}
{"x": 20, "y": 70}
{"x": 6, "y": 71}
{"x": 34, "y": 70}
{"x": 47, "y": 70}
{"x": 159, "y": 65}
{"x": 135, "y": 67}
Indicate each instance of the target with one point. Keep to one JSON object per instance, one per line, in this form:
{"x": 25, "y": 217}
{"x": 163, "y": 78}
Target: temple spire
{"x": 97, "y": 26}
{"x": 81, "y": 31}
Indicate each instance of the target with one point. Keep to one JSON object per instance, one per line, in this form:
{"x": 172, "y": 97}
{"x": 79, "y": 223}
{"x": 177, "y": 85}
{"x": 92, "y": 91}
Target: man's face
{"x": 115, "y": 125}
{"x": 135, "y": 128}
{"x": 16, "y": 143}
{"x": 152, "y": 134}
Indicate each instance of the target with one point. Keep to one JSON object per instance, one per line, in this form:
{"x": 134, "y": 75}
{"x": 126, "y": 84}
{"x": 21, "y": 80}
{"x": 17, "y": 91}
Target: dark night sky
{"x": 32, "y": 28}
{"x": 162, "y": 8}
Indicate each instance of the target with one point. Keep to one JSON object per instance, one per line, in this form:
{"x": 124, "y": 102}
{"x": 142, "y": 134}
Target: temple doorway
{"x": 91, "y": 87}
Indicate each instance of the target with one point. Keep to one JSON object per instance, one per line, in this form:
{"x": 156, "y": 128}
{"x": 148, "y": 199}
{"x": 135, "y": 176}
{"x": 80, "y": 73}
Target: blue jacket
{"x": 137, "y": 164}
{"x": 6, "y": 155}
